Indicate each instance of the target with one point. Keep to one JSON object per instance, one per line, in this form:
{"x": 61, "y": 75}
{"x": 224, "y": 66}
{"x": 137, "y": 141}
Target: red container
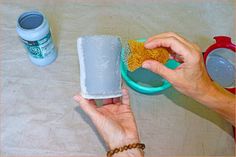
{"x": 219, "y": 59}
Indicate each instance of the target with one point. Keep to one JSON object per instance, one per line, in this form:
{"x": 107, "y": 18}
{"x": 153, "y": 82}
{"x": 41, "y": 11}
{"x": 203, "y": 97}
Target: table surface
{"x": 38, "y": 114}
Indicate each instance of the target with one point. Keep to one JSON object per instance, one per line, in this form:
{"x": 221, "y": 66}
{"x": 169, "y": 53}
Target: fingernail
{"x": 146, "y": 65}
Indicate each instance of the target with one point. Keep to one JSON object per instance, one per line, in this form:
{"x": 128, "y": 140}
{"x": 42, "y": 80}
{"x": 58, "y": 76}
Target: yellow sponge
{"x": 138, "y": 54}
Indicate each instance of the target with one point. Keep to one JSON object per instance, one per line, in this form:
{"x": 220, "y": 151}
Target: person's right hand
{"x": 190, "y": 77}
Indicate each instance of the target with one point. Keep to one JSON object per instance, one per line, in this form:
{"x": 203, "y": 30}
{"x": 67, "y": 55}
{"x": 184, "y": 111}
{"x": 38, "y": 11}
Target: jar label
{"x": 40, "y": 48}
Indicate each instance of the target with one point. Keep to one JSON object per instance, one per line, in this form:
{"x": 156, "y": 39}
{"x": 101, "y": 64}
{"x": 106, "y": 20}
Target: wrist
{"x": 204, "y": 91}
{"x": 202, "y": 87}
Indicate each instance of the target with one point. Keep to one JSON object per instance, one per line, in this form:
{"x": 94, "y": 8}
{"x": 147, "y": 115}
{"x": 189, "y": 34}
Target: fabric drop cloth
{"x": 37, "y": 112}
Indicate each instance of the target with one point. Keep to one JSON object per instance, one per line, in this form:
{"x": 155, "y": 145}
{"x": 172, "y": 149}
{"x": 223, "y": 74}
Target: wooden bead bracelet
{"x": 140, "y": 146}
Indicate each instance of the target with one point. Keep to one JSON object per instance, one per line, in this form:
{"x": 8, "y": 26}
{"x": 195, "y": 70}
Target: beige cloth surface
{"x": 38, "y": 114}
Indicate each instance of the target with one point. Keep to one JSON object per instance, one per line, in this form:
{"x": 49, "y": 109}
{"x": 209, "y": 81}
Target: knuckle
{"x": 157, "y": 69}
{"x": 171, "y": 33}
{"x": 173, "y": 39}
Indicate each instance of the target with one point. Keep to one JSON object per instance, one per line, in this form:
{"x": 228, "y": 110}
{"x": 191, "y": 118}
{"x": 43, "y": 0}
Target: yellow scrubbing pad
{"x": 138, "y": 54}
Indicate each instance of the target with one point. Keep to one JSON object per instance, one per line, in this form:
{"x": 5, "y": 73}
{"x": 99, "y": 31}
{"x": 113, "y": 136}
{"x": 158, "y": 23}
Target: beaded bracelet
{"x": 126, "y": 147}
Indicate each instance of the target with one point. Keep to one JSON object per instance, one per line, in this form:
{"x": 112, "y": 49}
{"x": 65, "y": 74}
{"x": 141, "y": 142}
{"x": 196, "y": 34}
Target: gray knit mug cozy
{"x": 99, "y": 60}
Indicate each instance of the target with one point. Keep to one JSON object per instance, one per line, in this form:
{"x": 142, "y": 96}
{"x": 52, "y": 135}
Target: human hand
{"x": 114, "y": 121}
{"x": 190, "y": 77}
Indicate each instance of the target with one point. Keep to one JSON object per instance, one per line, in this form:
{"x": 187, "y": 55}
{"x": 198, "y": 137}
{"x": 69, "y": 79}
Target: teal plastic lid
{"x": 143, "y": 80}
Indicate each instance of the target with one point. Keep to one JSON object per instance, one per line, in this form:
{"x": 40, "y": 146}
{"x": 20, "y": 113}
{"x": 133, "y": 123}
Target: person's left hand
{"x": 114, "y": 120}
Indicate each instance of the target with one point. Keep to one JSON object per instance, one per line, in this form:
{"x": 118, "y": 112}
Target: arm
{"x": 219, "y": 100}
{"x": 191, "y": 78}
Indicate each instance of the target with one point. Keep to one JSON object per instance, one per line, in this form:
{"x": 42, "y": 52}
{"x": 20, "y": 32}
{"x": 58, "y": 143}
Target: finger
{"x": 170, "y": 34}
{"x": 116, "y": 100}
{"x": 176, "y": 45}
{"x": 107, "y": 101}
{"x": 125, "y": 97}
{"x": 159, "y": 68}
{"x": 88, "y": 106}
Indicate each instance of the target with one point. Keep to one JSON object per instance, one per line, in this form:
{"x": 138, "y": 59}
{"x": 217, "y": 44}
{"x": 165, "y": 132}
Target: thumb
{"x": 158, "y": 68}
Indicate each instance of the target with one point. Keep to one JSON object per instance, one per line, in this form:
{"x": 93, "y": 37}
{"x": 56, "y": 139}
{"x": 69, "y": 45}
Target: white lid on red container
{"x": 219, "y": 59}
